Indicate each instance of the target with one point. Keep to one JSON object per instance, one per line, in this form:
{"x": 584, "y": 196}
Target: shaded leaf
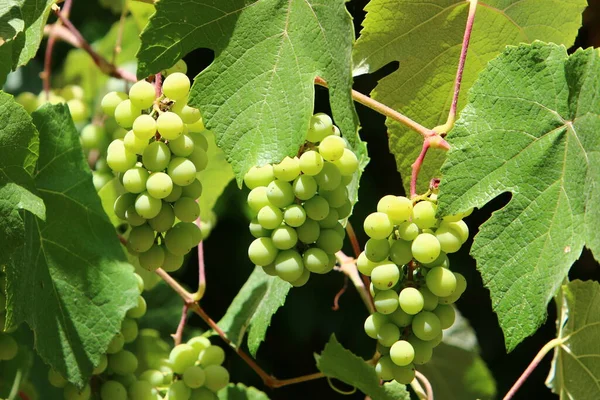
{"x": 241, "y": 392}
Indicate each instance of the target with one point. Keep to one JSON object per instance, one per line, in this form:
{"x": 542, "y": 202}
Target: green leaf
{"x": 241, "y": 392}
{"x": 426, "y": 38}
{"x": 19, "y": 146}
{"x": 69, "y": 279}
{"x": 21, "y": 31}
{"x": 337, "y": 362}
{"x": 253, "y": 307}
{"x": 263, "y": 48}
{"x": 575, "y": 371}
{"x": 530, "y": 128}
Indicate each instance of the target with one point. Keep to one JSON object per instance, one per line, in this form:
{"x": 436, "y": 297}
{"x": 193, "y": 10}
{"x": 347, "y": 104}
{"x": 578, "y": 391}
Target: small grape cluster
{"x": 157, "y": 161}
{"x": 299, "y": 203}
{"x": 411, "y": 283}
{"x": 72, "y": 95}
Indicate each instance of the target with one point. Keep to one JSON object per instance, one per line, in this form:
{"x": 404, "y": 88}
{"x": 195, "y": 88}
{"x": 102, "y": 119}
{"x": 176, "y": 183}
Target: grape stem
{"x": 532, "y": 366}
{"x": 336, "y": 299}
{"x": 49, "y": 50}
{"x": 426, "y": 385}
{"x": 119, "y": 40}
{"x": 353, "y": 239}
{"x": 416, "y": 167}
{"x": 178, "y": 335}
{"x": 348, "y": 267}
{"x": 201, "y": 275}
{"x": 184, "y": 294}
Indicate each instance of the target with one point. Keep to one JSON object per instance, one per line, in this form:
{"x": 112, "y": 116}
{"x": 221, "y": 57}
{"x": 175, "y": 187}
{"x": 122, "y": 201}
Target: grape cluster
{"x": 72, "y": 95}
{"x": 299, "y": 203}
{"x": 157, "y": 161}
{"x": 411, "y": 283}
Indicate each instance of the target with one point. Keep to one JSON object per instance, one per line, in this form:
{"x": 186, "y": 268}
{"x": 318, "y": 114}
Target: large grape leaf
{"x": 575, "y": 371}
{"x": 337, "y": 362}
{"x": 257, "y": 96}
{"x": 21, "y": 31}
{"x": 241, "y": 392}
{"x": 253, "y": 307}
{"x": 69, "y": 279}
{"x": 530, "y": 128}
{"x": 426, "y": 38}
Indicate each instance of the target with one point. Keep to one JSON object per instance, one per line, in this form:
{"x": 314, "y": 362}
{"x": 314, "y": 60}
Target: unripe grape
{"x": 384, "y": 368}
{"x": 400, "y": 318}
{"x": 156, "y": 156}
{"x": 126, "y": 113}
{"x": 194, "y": 377}
{"x": 303, "y": 279}
{"x": 77, "y": 109}
{"x": 458, "y": 217}
{"x": 411, "y": 300}
{"x": 217, "y": 377}
{"x": 147, "y": 206}
{"x": 182, "y": 171}
{"x": 183, "y": 146}
{"x": 141, "y": 390}
{"x": 133, "y": 143}
{"x": 203, "y": 393}
{"x": 200, "y": 159}
{"x": 129, "y": 330}
{"x": 446, "y": 315}
{"x": 270, "y": 270}
{"x": 199, "y": 343}
{"x": 305, "y": 187}
{"x": 193, "y": 190}
{"x": 118, "y": 158}
{"x": 212, "y": 355}
{"x": 123, "y": 362}
{"x": 144, "y": 127}
{"x": 153, "y": 258}
{"x": 186, "y": 209}
{"x": 426, "y": 325}
{"x": 176, "y": 193}
{"x": 262, "y": 251}
{"x": 377, "y": 250}
{"x": 139, "y": 310}
{"x": 284, "y": 237}
{"x": 179, "y": 66}
{"x": 425, "y": 248}
{"x": 199, "y": 138}
{"x": 400, "y": 252}
{"x": 423, "y": 214}
{"x": 408, "y": 231}
{"x": 398, "y": 208}
{"x": 385, "y": 276}
{"x": 179, "y": 390}
{"x": 329, "y": 178}
{"x": 142, "y": 94}
{"x": 116, "y": 344}
{"x": 280, "y": 193}
{"x": 373, "y": 324}
{"x": 345, "y": 210}
{"x": 309, "y": 231}
{"x": 92, "y": 136}
{"x": 133, "y": 218}
{"x": 113, "y": 390}
{"x": 288, "y": 169}
{"x": 134, "y": 179}
{"x": 388, "y": 334}
{"x": 159, "y": 185}
{"x": 430, "y": 300}
{"x": 459, "y": 228}
{"x": 316, "y": 260}
{"x": 164, "y": 220}
{"x": 330, "y": 241}
{"x": 461, "y": 285}
{"x": 319, "y": 127}
{"x": 336, "y": 197}
{"x": 386, "y": 301}
{"x": 364, "y": 265}
{"x": 289, "y": 265}
{"x": 257, "y": 230}
{"x": 311, "y": 163}
{"x": 423, "y": 350}
{"x": 171, "y": 261}
{"x": 182, "y": 357}
{"x": 402, "y": 353}
{"x": 178, "y": 240}
{"x": 294, "y": 215}
{"x": 193, "y": 231}
{"x": 316, "y": 208}
{"x": 259, "y": 176}
{"x": 29, "y": 101}
{"x": 169, "y": 125}
{"x": 56, "y": 379}
{"x": 8, "y": 347}
{"x": 331, "y": 220}
{"x": 110, "y": 101}
{"x": 270, "y": 217}
{"x": 347, "y": 163}
{"x": 332, "y": 148}
{"x": 71, "y": 392}
{"x": 449, "y": 240}
{"x": 404, "y": 375}
{"x": 176, "y": 86}
{"x": 441, "y": 281}
{"x": 378, "y": 225}
{"x": 141, "y": 238}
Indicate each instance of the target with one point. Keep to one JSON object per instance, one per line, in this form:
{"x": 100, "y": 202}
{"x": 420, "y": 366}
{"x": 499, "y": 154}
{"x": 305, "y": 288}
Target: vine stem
{"x": 184, "y": 294}
{"x": 348, "y": 267}
{"x": 532, "y": 366}
{"x": 353, "y": 239}
{"x": 201, "y": 274}
{"x": 178, "y": 336}
{"x": 416, "y": 167}
{"x": 119, "y": 40}
{"x": 426, "y": 385}
{"x": 49, "y": 50}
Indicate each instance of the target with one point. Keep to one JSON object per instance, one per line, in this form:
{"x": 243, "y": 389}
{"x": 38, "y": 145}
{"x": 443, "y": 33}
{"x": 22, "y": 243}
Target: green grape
{"x": 259, "y": 176}
{"x": 316, "y": 260}
{"x": 71, "y": 92}
{"x": 142, "y": 94}
{"x": 175, "y": 194}
{"x": 270, "y": 270}
{"x": 430, "y": 300}
{"x": 141, "y": 238}
{"x": 426, "y": 325}
{"x": 153, "y": 258}
{"x": 134, "y": 179}
{"x": 311, "y": 163}
{"x": 441, "y": 281}
{"x": 336, "y": 197}
{"x": 199, "y": 158}
{"x": 378, "y": 225}
{"x": 317, "y": 208}
{"x": 178, "y": 240}
{"x": 147, "y": 206}
{"x": 287, "y": 170}
{"x": 159, "y": 185}
{"x": 364, "y": 265}
{"x": 212, "y": 355}
{"x": 400, "y": 252}
{"x": 309, "y": 231}
{"x": 156, "y": 156}
{"x": 303, "y": 279}
{"x": 329, "y": 178}
{"x": 217, "y": 377}
{"x": 182, "y": 357}
{"x": 458, "y": 217}
{"x": 183, "y": 146}
{"x": 56, "y": 379}
{"x": 139, "y": 310}
{"x": 99, "y": 179}
{"x": 193, "y": 231}
{"x": 461, "y": 285}
{"x": 377, "y": 250}
{"x": 398, "y": 208}
{"x": 116, "y": 344}
{"x": 189, "y": 115}
{"x": 194, "y": 377}
{"x": 126, "y": 113}
{"x": 411, "y": 300}
{"x": 384, "y": 368}
{"x": 262, "y": 251}
{"x": 402, "y": 353}
{"x": 152, "y": 376}
{"x": 110, "y": 102}
{"x": 92, "y": 136}
{"x": 423, "y": 350}
{"x": 193, "y": 190}
{"x": 179, "y": 66}
{"x": 144, "y": 127}
{"x": 284, "y": 237}
{"x": 388, "y": 334}
{"x": 423, "y": 214}
{"x": 385, "y": 276}
{"x": 345, "y": 210}
{"x": 203, "y": 394}
{"x": 449, "y": 240}
{"x": 125, "y": 380}
{"x": 129, "y": 330}
{"x": 425, "y": 248}
{"x": 383, "y": 350}
{"x": 141, "y": 390}
{"x": 179, "y": 391}
{"x": 123, "y": 363}
{"x": 199, "y": 138}
{"x": 280, "y": 193}
{"x": 386, "y": 301}
{"x": 133, "y": 218}
{"x": 176, "y": 86}
{"x": 330, "y": 241}
{"x": 133, "y": 143}
{"x": 199, "y": 343}
{"x": 319, "y": 127}
{"x": 113, "y": 390}
{"x": 446, "y": 315}
{"x": 400, "y": 318}
{"x": 186, "y": 209}
{"x": 294, "y": 215}
{"x": 332, "y": 148}
{"x": 29, "y": 101}
{"x": 169, "y": 125}
{"x": 289, "y": 265}
{"x": 71, "y": 392}
{"x": 164, "y": 220}
{"x": 331, "y": 220}
{"x": 458, "y": 228}
{"x": 347, "y": 163}
{"x": 182, "y": 171}
{"x": 404, "y": 375}
{"x": 171, "y": 262}
{"x": 118, "y": 158}
{"x": 373, "y": 324}
{"x": 102, "y": 364}
{"x": 270, "y": 217}
{"x": 305, "y": 187}
{"x": 257, "y": 230}
{"x": 77, "y": 109}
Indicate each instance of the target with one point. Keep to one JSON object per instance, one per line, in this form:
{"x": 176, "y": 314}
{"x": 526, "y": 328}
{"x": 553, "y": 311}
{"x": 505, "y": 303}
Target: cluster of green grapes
{"x": 157, "y": 161}
{"x": 72, "y": 95}
{"x": 299, "y": 203}
{"x": 411, "y": 283}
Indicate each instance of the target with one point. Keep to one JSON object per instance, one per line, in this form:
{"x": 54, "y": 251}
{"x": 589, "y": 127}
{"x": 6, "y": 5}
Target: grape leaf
{"x": 575, "y": 371}
{"x": 241, "y": 392}
{"x": 19, "y": 147}
{"x": 530, "y": 128}
{"x": 426, "y": 38}
{"x": 21, "y": 31}
{"x": 252, "y": 309}
{"x": 69, "y": 279}
{"x": 262, "y": 49}
{"x": 337, "y": 362}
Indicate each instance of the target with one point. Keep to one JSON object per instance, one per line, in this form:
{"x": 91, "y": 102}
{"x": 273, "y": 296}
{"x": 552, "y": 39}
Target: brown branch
{"x": 178, "y": 335}
{"x": 353, "y": 239}
{"x": 119, "y": 40}
{"x": 416, "y": 167}
{"x": 336, "y": 299}
{"x": 184, "y": 294}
